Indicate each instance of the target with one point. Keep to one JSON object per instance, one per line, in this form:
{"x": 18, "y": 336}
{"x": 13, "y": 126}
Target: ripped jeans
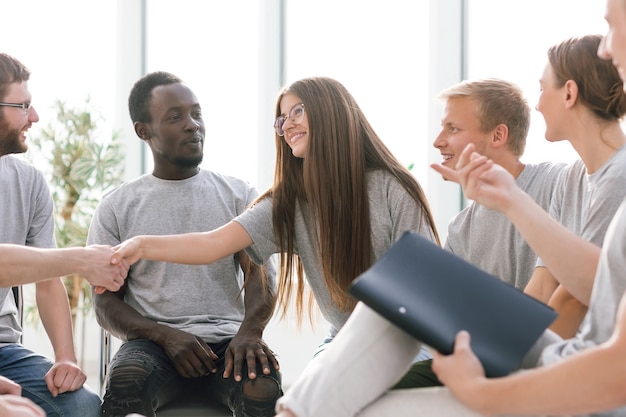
{"x": 142, "y": 378}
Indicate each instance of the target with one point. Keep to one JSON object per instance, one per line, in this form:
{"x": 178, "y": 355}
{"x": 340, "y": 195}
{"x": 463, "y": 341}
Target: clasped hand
{"x": 105, "y": 273}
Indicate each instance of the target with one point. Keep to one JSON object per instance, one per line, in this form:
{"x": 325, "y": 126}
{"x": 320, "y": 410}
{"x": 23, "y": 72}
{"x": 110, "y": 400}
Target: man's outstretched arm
{"x": 23, "y": 264}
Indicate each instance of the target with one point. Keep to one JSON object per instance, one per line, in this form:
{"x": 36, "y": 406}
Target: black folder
{"x": 432, "y": 294}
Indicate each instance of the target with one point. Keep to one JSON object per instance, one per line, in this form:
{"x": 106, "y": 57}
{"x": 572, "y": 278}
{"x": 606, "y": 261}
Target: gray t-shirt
{"x": 603, "y": 196}
{"x": 608, "y": 289}
{"x": 488, "y": 239}
{"x": 204, "y": 300}
{"x": 585, "y": 203}
{"x": 26, "y": 210}
{"x": 392, "y": 212}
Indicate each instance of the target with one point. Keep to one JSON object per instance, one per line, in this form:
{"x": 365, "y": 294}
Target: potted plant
{"x": 82, "y": 162}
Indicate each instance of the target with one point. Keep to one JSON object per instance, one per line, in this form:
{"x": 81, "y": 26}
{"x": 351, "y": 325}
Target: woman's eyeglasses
{"x": 295, "y": 115}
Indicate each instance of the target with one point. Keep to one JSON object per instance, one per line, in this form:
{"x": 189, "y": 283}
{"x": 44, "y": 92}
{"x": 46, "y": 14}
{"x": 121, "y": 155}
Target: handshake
{"x": 109, "y": 267}
{"x": 104, "y": 267}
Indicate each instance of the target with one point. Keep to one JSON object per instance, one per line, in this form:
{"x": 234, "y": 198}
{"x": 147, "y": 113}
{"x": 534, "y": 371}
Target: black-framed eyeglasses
{"x": 24, "y": 106}
{"x": 295, "y": 115}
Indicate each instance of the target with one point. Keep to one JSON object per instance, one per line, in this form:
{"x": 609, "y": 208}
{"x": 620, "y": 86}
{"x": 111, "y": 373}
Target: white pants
{"x": 353, "y": 375}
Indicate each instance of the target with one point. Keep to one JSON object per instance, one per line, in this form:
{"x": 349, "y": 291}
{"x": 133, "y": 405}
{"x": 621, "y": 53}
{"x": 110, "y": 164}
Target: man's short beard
{"x": 188, "y": 162}
{"x": 10, "y": 140}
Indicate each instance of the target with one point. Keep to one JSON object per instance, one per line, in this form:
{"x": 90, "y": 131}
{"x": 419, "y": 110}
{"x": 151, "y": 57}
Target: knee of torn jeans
{"x": 262, "y": 388}
{"x": 129, "y": 372}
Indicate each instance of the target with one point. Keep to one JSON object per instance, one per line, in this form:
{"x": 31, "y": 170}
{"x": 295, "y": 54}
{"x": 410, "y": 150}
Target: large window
{"x": 510, "y": 40}
{"x": 378, "y": 51}
{"x": 69, "y": 47}
{"x": 213, "y": 46}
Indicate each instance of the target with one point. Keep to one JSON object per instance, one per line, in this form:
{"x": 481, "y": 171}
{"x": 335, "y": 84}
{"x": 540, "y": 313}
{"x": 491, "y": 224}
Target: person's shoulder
{"x": 378, "y": 173}
{"x": 24, "y": 173}
{"x": 574, "y": 170}
{"x": 380, "y": 181}
{"x": 18, "y": 164}
{"x": 621, "y": 152}
{"x": 380, "y": 176}
{"x": 547, "y": 168}
{"x": 220, "y": 176}
{"x": 618, "y": 159}
{"x": 613, "y": 172}
{"x": 126, "y": 188}
{"x": 230, "y": 180}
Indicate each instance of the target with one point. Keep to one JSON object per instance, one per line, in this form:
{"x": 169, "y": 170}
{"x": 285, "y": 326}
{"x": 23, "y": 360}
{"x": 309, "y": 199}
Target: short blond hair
{"x": 497, "y": 102}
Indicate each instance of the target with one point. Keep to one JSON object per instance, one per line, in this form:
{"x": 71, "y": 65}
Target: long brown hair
{"x": 331, "y": 182}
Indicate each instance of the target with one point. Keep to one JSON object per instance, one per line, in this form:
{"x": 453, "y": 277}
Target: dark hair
{"x": 11, "y": 71}
{"x": 599, "y": 85}
{"x": 141, "y": 94}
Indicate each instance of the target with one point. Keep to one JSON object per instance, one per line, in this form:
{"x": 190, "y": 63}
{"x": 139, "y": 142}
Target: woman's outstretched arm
{"x": 186, "y": 248}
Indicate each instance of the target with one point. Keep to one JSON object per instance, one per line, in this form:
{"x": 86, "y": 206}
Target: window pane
{"x": 212, "y": 45}
{"x": 515, "y": 49}
{"x": 379, "y": 51}
{"x": 67, "y": 51}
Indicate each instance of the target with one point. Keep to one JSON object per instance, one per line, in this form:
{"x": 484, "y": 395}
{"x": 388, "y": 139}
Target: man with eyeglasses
{"x": 26, "y": 210}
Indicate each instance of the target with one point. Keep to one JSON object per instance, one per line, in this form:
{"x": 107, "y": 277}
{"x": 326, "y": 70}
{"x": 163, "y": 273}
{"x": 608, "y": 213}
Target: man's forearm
{"x": 557, "y": 389}
{"x": 259, "y": 299}
{"x": 571, "y": 313}
{"x": 56, "y": 318}
{"x": 123, "y": 321}
{"x": 541, "y": 285}
{"x": 22, "y": 264}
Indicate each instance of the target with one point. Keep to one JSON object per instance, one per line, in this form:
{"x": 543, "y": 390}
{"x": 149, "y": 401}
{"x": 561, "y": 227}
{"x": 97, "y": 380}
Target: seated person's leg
{"x": 366, "y": 358}
{"x": 420, "y": 375}
{"x": 141, "y": 378}
{"x": 28, "y": 369}
{"x": 437, "y": 402}
{"x": 248, "y": 398}
{"x": 423, "y": 355}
